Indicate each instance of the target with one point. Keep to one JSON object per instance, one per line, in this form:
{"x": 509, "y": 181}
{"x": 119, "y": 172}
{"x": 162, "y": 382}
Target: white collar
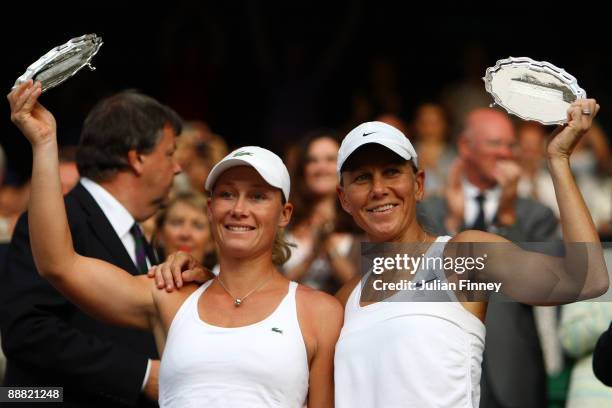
{"x": 118, "y": 216}
{"x": 471, "y": 191}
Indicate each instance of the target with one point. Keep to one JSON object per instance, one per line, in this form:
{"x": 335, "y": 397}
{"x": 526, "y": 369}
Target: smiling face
{"x": 380, "y": 190}
{"x": 320, "y": 169}
{"x": 245, "y": 213}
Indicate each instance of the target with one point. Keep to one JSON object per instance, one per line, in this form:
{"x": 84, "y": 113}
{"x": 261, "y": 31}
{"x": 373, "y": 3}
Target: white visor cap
{"x": 269, "y": 166}
{"x": 376, "y": 132}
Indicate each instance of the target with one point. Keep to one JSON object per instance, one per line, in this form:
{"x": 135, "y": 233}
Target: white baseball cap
{"x": 376, "y": 132}
{"x": 269, "y": 166}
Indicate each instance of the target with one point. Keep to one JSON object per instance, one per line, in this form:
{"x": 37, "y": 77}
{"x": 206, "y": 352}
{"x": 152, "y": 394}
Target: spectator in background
{"x": 591, "y": 166}
{"x": 581, "y": 325}
{"x": 432, "y": 145}
{"x": 14, "y": 197}
{"x": 324, "y": 254}
{"x": 198, "y": 150}
{"x": 183, "y": 226}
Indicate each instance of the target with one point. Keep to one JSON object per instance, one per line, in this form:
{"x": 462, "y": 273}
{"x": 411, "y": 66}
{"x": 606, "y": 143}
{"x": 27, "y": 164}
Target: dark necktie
{"x": 140, "y": 248}
{"x": 480, "y": 223}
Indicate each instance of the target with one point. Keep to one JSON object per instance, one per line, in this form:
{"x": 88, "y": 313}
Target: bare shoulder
{"x": 346, "y": 290}
{"x": 321, "y": 317}
{"x": 317, "y": 303}
{"x": 162, "y": 296}
{"x": 477, "y": 236}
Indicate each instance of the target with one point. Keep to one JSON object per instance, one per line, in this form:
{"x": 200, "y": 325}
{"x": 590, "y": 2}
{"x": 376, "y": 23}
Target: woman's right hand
{"x": 33, "y": 119}
{"x": 179, "y": 268}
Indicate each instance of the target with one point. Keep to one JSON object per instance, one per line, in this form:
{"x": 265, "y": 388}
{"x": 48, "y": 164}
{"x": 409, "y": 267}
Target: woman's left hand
{"x": 579, "y": 119}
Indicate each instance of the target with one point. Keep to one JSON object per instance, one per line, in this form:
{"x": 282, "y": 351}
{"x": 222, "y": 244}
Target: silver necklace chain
{"x": 238, "y": 300}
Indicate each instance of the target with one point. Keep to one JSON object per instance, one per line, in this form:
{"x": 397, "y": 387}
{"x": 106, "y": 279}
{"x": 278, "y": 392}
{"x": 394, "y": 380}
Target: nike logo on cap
{"x": 368, "y": 134}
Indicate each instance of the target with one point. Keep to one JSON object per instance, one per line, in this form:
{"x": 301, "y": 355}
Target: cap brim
{"x": 222, "y": 166}
{"x": 391, "y": 146}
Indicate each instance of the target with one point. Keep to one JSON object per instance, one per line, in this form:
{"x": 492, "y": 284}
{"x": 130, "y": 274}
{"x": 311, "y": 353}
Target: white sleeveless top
{"x": 264, "y": 364}
{"x": 409, "y": 354}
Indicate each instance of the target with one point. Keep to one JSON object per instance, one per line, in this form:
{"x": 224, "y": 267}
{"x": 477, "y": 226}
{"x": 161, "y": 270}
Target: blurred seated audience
{"x": 590, "y": 164}
{"x": 326, "y": 252}
{"x": 581, "y": 325}
{"x": 183, "y": 226}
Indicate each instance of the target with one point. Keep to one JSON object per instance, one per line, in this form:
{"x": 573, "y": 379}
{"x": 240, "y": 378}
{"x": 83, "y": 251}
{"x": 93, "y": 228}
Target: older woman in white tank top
{"x": 247, "y": 338}
{"x": 428, "y": 354}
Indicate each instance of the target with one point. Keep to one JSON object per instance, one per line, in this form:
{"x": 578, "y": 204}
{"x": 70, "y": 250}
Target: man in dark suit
{"x": 47, "y": 340}
{"x": 482, "y": 194}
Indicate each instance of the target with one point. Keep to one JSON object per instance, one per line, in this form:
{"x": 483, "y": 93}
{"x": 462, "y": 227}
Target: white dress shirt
{"x": 490, "y": 204}
{"x": 118, "y": 216}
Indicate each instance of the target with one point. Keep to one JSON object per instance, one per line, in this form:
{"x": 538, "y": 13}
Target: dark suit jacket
{"x": 48, "y": 341}
{"x": 513, "y": 367}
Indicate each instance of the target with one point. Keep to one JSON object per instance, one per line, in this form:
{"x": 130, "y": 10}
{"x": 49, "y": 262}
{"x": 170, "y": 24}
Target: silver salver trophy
{"x": 62, "y": 62}
{"x": 532, "y": 90}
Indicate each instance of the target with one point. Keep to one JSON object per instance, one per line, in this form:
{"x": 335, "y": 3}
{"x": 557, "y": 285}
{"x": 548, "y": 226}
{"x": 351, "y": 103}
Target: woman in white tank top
{"x": 428, "y": 354}
{"x": 244, "y": 339}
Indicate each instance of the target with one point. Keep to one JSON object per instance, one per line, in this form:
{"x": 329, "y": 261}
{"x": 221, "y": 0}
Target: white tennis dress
{"x": 409, "y": 354}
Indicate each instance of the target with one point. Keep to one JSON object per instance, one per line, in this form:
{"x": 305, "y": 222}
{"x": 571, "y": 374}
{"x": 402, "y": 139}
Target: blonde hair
{"x": 281, "y": 249}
